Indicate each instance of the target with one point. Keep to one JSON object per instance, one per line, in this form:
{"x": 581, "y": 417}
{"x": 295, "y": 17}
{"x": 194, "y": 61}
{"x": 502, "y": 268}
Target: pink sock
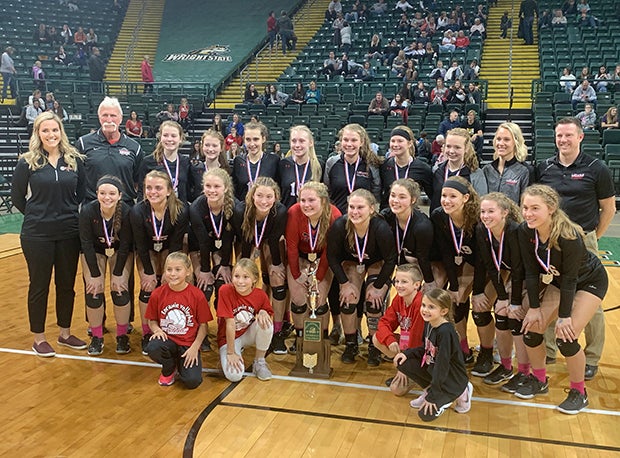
{"x": 507, "y": 363}
{"x": 146, "y": 330}
{"x": 524, "y": 368}
{"x": 579, "y": 386}
{"x": 121, "y": 329}
{"x": 277, "y": 326}
{"x": 540, "y": 374}
{"x": 465, "y": 346}
{"x": 97, "y": 331}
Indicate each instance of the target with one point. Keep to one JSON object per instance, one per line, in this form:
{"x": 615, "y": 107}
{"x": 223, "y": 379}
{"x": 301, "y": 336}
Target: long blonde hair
{"x": 326, "y": 209}
{"x": 36, "y": 157}
{"x": 506, "y": 204}
{"x": 249, "y": 215}
{"x": 315, "y": 166}
{"x": 365, "y": 152}
{"x": 175, "y": 205}
{"x": 158, "y": 153}
{"x": 372, "y": 203}
{"x": 469, "y": 159}
{"x": 229, "y": 200}
{"x": 520, "y": 151}
{"x": 561, "y": 225}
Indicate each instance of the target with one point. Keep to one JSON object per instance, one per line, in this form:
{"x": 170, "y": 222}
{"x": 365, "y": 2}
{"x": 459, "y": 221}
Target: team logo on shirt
{"x": 124, "y": 152}
{"x": 430, "y": 351}
{"x": 404, "y": 321}
{"x": 577, "y": 176}
{"x": 512, "y": 182}
{"x": 244, "y": 316}
{"x": 177, "y": 319}
{"x": 466, "y": 250}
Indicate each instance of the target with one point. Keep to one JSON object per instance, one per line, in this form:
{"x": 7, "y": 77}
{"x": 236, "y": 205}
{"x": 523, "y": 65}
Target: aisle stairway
{"x": 267, "y": 66}
{"x": 138, "y": 37}
{"x": 496, "y": 56}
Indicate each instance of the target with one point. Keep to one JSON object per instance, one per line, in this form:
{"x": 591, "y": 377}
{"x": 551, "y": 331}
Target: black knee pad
{"x": 298, "y": 309}
{"x": 372, "y": 308}
{"x": 373, "y": 323}
{"x": 370, "y": 280}
{"x": 533, "y": 339}
{"x": 482, "y": 319}
{"x": 218, "y": 284}
{"x": 121, "y": 299}
{"x": 208, "y": 292}
{"x": 321, "y": 309}
{"x": 94, "y": 302}
{"x": 568, "y": 348}
{"x": 265, "y": 277}
{"x": 279, "y": 292}
{"x": 461, "y": 311}
{"x": 158, "y": 277}
{"x": 515, "y": 326}
{"x": 501, "y": 323}
{"x": 348, "y": 309}
{"x": 144, "y": 296}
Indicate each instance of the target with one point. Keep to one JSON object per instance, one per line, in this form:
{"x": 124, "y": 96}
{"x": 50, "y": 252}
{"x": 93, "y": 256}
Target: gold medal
{"x": 546, "y": 278}
{"x": 218, "y": 244}
{"x": 255, "y": 253}
{"x": 458, "y": 260}
{"x": 360, "y": 268}
{"x": 311, "y": 257}
{"x": 157, "y": 246}
{"x": 109, "y": 252}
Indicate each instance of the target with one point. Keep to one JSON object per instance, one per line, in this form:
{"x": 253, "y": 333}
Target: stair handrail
{"x": 129, "y": 55}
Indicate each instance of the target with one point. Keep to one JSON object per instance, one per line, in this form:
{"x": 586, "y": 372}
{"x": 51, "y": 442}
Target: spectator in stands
{"x": 374, "y": 48}
{"x": 411, "y": 73}
{"x": 447, "y": 42}
{"x": 544, "y": 20}
{"x": 298, "y": 97}
{"x": 420, "y": 53}
{"x": 276, "y": 97}
{"x": 52, "y": 36}
{"x": 147, "y": 75}
{"x": 347, "y": 67}
{"x": 403, "y": 24}
{"x": 442, "y": 21}
{"x": 567, "y": 80}
{"x": 330, "y": 14}
{"x": 185, "y": 114}
{"x": 610, "y": 119}
{"x": 60, "y": 111}
{"x": 390, "y": 52}
{"x": 477, "y": 29}
{"x": 237, "y": 124}
{"x": 218, "y": 125}
{"x": 451, "y": 122}
{"x": 583, "y": 7}
{"x": 96, "y": 69}
{"x": 399, "y": 107}
{"x": 251, "y": 95}
{"x": 365, "y": 73}
{"x": 336, "y": 6}
{"x": 233, "y": 137}
{"x": 406, "y": 93}
{"x": 454, "y": 72}
{"x": 79, "y": 38}
{"x": 379, "y": 105}
{"x": 527, "y": 11}
{"x": 569, "y": 8}
{"x": 438, "y": 72}
{"x": 330, "y": 65}
{"x": 587, "y": 118}
{"x": 474, "y": 128}
{"x": 437, "y": 146}
{"x": 168, "y": 114}
{"x": 481, "y": 13}
{"x": 430, "y": 55}
{"x": 472, "y": 71}
{"x": 49, "y": 102}
{"x": 462, "y": 42}
{"x": 410, "y": 49}
{"x": 313, "y": 94}
{"x": 287, "y": 32}
{"x": 439, "y": 94}
{"x": 133, "y": 126}
{"x": 352, "y": 16}
{"x": 91, "y": 38}
{"x": 346, "y": 34}
{"x": 505, "y": 23}
{"x": 420, "y": 94}
{"x": 363, "y": 13}
{"x": 473, "y": 94}
{"x": 379, "y": 8}
{"x": 457, "y": 93}
{"x": 431, "y": 26}
{"x": 36, "y": 95}
{"x": 558, "y": 20}
{"x": 66, "y": 34}
{"x": 32, "y": 111}
{"x": 586, "y": 20}
{"x": 585, "y": 74}
{"x": 337, "y": 25}
{"x": 398, "y": 64}
{"x": 61, "y": 56}
{"x": 584, "y": 93}
{"x": 403, "y": 5}
{"x": 234, "y": 151}
{"x": 40, "y": 35}
{"x": 38, "y": 75}
{"x": 7, "y": 69}
{"x": 272, "y": 28}
{"x": 601, "y": 79}
{"x": 615, "y": 77}
{"x": 463, "y": 21}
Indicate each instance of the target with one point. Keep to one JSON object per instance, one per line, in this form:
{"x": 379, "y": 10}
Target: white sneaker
{"x": 463, "y": 402}
{"x": 260, "y": 368}
{"x": 417, "y": 402}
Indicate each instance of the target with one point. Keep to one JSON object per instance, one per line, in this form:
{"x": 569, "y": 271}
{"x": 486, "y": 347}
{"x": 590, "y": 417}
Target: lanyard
{"x": 399, "y": 243}
{"x": 109, "y": 237}
{"x": 216, "y": 229}
{"x": 300, "y": 181}
{"x": 259, "y": 239}
{"x": 313, "y": 240}
{"x": 459, "y": 244}
{"x": 396, "y": 167}
{"x": 540, "y": 261}
{"x": 250, "y": 178}
{"x": 175, "y": 179}
{"x": 156, "y": 230}
{"x": 497, "y": 258}
{"x": 351, "y": 183}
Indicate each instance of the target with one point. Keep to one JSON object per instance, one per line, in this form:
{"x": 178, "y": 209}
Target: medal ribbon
{"x": 396, "y": 167}
{"x": 252, "y": 180}
{"x": 216, "y": 229}
{"x": 175, "y": 179}
{"x": 497, "y": 258}
{"x": 157, "y": 231}
{"x": 360, "y": 253}
{"x": 258, "y": 240}
{"x": 109, "y": 237}
{"x": 446, "y": 173}
{"x": 459, "y": 244}
{"x": 540, "y": 261}
{"x": 399, "y": 244}
{"x": 300, "y": 181}
{"x": 351, "y": 183}
{"x": 313, "y": 240}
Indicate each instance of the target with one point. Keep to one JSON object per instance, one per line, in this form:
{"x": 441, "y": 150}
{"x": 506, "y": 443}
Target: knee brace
{"x": 373, "y": 323}
{"x": 482, "y": 319}
{"x": 279, "y": 292}
{"x": 94, "y": 302}
{"x": 460, "y": 311}
{"x": 372, "y": 308}
{"x": 515, "y": 326}
{"x": 121, "y": 299}
{"x": 321, "y": 309}
{"x": 265, "y": 278}
{"x": 348, "y": 309}
{"x": 533, "y": 339}
{"x": 144, "y": 296}
{"x": 568, "y": 348}
{"x": 298, "y": 309}
{"x": 501, "y": 323}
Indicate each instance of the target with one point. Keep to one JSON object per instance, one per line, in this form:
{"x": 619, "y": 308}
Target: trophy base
{"x": 323, "y": 369}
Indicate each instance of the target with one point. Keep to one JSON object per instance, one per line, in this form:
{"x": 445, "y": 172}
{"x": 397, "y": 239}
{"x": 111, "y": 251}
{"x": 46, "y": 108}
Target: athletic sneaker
{"x": 463, "y": 402}
{"x": 426, "y": 417}
{"x": 287, "y": 329}
{"x": 72, "y": 342}
{"x": 278, "y": 346}
{"x": 360, "y": 339}
{"x": 145, "y": 342}
{"x": 336, "y": 336}
{"x": 514, "y": 383}
{"x": 349, "y": 354}
{"x": 417, "y": 402}
{"x": 96, "y": 346}
{"x": 575, "y": 402}
{"x": 205, "y": 345}
{"x": 484, "y": 364}
{"x": 374, "y": 356}
{"x": 43, "y": 349}
{"x": 531, "y": 387}
{"x": 166, "y": 380}
{"x": 469, "y": 357}
{"x": 293, "y": 348}
{"x": 260, "y": 368}
{"x": 122, "y": 344}
{"x": 499, "y": 375}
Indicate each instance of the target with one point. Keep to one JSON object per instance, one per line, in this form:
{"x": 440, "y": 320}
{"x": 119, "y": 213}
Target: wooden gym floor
{"x": 76, "y": 405}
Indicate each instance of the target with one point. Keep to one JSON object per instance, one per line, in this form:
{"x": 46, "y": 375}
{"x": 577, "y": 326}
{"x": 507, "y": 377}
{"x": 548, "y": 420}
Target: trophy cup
{"x": 313, "y": 349}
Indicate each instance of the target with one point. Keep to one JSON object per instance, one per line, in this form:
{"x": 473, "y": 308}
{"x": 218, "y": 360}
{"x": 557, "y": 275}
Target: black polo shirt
{"x": 122, "y": 159}
{"x": 580, "y": 185}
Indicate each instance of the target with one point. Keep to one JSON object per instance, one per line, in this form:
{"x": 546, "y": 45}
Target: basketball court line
{"x": 308, "y": 380}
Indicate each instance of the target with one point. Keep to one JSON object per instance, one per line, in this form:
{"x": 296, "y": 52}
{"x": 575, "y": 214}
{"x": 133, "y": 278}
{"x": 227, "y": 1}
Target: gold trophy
{"x": 313, "y": 350}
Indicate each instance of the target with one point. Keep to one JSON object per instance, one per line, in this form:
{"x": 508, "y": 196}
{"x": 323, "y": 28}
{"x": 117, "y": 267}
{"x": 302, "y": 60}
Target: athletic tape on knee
{"x": 568, "y": 349}
{"x": 121, "y": 299}
{"x": 298, "y": 309}
{"x": 460, "y": 311}
{"x": 321, "y": 309}
{"x": 144, "y": 296}
{"x": 533, "y": 339}
{"x": 515, "y": 326}
{"x": 279, "y": 292}
{"x": 373, "y": 323}
{"x": 348, "y": 309}
{"x": 94, "y": 302}
{"x": 482, "y": 319}
{"x": 501, "y": 323}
